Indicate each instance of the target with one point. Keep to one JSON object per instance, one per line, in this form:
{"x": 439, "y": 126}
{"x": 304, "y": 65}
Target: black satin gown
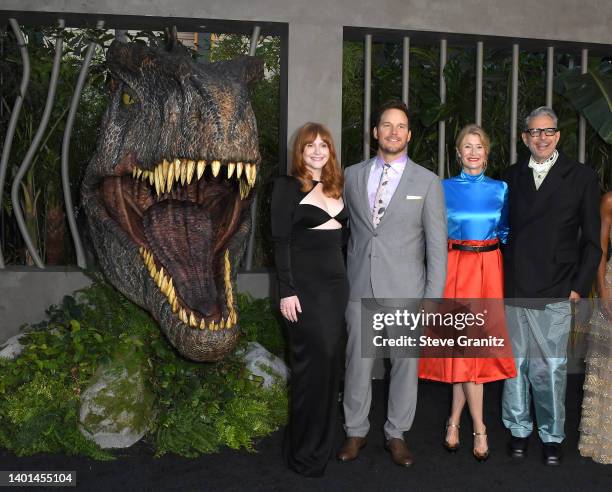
{"x": 310, "y": 264}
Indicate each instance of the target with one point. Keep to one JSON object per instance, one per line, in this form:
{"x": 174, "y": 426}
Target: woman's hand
{"x": 289, "y": 307}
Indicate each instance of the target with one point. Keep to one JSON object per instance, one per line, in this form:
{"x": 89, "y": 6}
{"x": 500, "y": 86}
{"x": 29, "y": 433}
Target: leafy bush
{"x": 200, "y": 407}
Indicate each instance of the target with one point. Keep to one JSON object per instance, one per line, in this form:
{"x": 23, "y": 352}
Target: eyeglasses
{"x": 536, "y": 132}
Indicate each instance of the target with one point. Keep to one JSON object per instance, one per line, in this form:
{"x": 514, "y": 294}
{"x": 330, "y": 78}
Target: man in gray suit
{"x": 397, "y": 249}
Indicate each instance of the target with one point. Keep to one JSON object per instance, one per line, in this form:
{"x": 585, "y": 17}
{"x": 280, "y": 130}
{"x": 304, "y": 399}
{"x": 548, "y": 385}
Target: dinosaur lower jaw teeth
{"x": 174, "y": 172}
{"x": 165, "y": 284}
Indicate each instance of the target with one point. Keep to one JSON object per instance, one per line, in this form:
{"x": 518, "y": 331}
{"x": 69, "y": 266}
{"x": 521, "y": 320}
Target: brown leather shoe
{"x": 351, "y": 447}
{"x": 400, "y": 454}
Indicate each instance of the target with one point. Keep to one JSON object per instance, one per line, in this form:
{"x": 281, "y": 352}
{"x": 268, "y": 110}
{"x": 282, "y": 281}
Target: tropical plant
{"x": 199, "y": 407}
{"x": 458, "y": 109}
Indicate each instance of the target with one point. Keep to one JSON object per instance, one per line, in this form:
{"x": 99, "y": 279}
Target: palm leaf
{"x": 591, "y": 94}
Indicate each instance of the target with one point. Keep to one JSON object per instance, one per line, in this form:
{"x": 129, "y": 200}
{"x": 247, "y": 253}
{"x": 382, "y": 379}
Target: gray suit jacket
{"x": 405, "y": 256}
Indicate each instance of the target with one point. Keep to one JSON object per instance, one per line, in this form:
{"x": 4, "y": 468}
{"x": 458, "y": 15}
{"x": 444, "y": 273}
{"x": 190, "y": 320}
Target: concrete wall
{"x": 316, "y": 30}
{"x": 26, "y": 292}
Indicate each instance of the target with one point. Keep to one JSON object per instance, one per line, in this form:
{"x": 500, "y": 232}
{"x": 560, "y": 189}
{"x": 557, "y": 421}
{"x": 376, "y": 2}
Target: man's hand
{"x": 289, "y": 307}
{"x": 574, "y": 296}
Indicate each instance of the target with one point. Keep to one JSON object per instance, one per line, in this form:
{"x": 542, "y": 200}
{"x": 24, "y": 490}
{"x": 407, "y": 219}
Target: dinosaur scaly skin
{"x": 168, "y": 192}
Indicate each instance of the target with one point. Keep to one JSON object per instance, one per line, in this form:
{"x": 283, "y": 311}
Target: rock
{"x": 11, "y": 349}
{"x": 117, "y": 407}
{"x": 264, "y": 364}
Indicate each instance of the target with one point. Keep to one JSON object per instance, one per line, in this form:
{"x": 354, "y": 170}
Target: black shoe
{"x": 551, "y": 454}
{"x": 517, "y": 447}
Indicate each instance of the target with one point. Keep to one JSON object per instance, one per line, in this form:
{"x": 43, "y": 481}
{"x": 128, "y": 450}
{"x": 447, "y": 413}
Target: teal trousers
{"x": 539, "y": 340}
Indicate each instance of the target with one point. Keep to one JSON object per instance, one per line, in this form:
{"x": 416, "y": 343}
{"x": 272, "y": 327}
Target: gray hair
{"x": 542, "y": 111}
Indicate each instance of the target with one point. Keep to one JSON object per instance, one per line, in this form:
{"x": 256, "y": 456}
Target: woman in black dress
{"x": 308, "y": 216}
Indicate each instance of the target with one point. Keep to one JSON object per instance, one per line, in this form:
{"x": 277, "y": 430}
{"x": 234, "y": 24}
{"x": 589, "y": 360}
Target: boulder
{"x": 11, "y": 349}
{"x": 265, "y": 365}
{"x": 117, "y": 408}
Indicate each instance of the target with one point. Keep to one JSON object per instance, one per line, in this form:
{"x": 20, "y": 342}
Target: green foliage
{"x": 460, "y": 78}
{"x": 590, "y": 93}
{"x": 199, "y": 406}
{"x": 44, "y": 175}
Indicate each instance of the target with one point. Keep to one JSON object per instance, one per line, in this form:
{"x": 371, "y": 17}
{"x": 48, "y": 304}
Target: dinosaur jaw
{"x": 186, "y": 220}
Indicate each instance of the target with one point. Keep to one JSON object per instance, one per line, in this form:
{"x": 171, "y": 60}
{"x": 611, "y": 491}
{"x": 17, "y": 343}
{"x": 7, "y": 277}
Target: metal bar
{"x": 367, "y": 95}
{"x": 584, "y": 67}
{"x": 254, "y": 40}
{"x": 550, "y": 67}
{"x": 121, "y": 35}
{"x": 12, "y": 125}
{"x": 514, "y": 103}
{"x": 74, "y": 103}
{"x": 479, "y": 62}
{"x": 27, "y": 160}
{"x": 251, "y": 245}
{"x": 406, "y": 71}
{"x": 442, "y": 123}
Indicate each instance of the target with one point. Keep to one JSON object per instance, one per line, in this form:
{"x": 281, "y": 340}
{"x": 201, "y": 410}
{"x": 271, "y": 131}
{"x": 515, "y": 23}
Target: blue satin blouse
{"x": 477, "y": 207}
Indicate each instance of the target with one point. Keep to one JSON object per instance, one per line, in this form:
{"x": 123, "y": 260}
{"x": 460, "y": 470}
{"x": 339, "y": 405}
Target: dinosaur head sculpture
{"x": 168, "y": 192}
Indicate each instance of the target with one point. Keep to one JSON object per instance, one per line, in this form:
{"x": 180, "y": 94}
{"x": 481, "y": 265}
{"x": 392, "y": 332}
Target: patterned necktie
{"x": 381, "y": 199}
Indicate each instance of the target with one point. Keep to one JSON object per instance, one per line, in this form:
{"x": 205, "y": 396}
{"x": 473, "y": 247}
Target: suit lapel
{"x": 537, "y": 201}
{"x": 362, "y": 190}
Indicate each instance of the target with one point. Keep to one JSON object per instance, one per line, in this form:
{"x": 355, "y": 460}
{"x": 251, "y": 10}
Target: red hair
{"x": 331, "y": 174}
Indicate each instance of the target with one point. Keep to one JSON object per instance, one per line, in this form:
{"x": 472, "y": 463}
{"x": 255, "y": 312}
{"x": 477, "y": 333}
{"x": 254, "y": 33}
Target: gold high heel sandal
{"x": 451, "y": 448}
{"x": 480, "y": 456}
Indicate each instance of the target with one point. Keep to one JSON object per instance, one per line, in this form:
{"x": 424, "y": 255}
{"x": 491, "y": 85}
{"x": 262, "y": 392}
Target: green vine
{"x": 199, "y": 407}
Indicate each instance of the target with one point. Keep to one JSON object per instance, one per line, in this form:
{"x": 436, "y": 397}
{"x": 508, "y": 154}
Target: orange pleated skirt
{"x": 472, "y": 275}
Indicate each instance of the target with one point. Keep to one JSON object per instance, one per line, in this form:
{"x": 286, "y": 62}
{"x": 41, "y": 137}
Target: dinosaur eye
{"x": 127, "y": 99}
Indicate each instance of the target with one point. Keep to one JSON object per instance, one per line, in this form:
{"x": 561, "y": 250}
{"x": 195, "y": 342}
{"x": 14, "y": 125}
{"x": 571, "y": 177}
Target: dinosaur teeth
{"x": 190, "y": 170}
{"x": 169, "y": 172}
{"x": 216, "y": 167}
{"x": 177, "y": 169}
{"x": 183, "y": 171}
{"x": 201, "y": 168}
{"x": 166, "y": 286}
{"x": 170, "y": 176}
{"x": 229, "y": 295}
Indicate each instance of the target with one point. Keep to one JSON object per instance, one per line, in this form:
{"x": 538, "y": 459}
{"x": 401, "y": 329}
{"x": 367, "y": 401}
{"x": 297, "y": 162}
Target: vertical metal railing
{"x": 584, "y": 67}
{"x": 12, "y": 125}
{"x": 367, "y": 95}
{"x": 251, "y": 244}
{"x": 406, "y": 71}
{"x": 550, "y": 71}
{"x": 514, "y": 102}
{"x": 479, "y": 63}
{"x": 74, "y": 104}
{"x": 442, "y": 123}
{"x": 29, "y": 156}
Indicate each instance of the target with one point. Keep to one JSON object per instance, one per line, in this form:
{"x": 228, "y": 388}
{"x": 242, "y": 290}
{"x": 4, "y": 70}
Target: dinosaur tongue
{"x": 180, "y": 234}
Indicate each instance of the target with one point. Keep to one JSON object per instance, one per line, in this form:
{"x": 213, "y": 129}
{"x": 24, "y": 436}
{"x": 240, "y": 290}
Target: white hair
{"x": 542, "y": 111}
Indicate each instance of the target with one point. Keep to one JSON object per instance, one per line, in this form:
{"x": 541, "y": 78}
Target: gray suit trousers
{"x": 358, "y": 385}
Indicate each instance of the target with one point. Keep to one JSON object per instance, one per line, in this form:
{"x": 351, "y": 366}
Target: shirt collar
{"x": 396, "y": 165}
{"x": 545, "y": 166}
